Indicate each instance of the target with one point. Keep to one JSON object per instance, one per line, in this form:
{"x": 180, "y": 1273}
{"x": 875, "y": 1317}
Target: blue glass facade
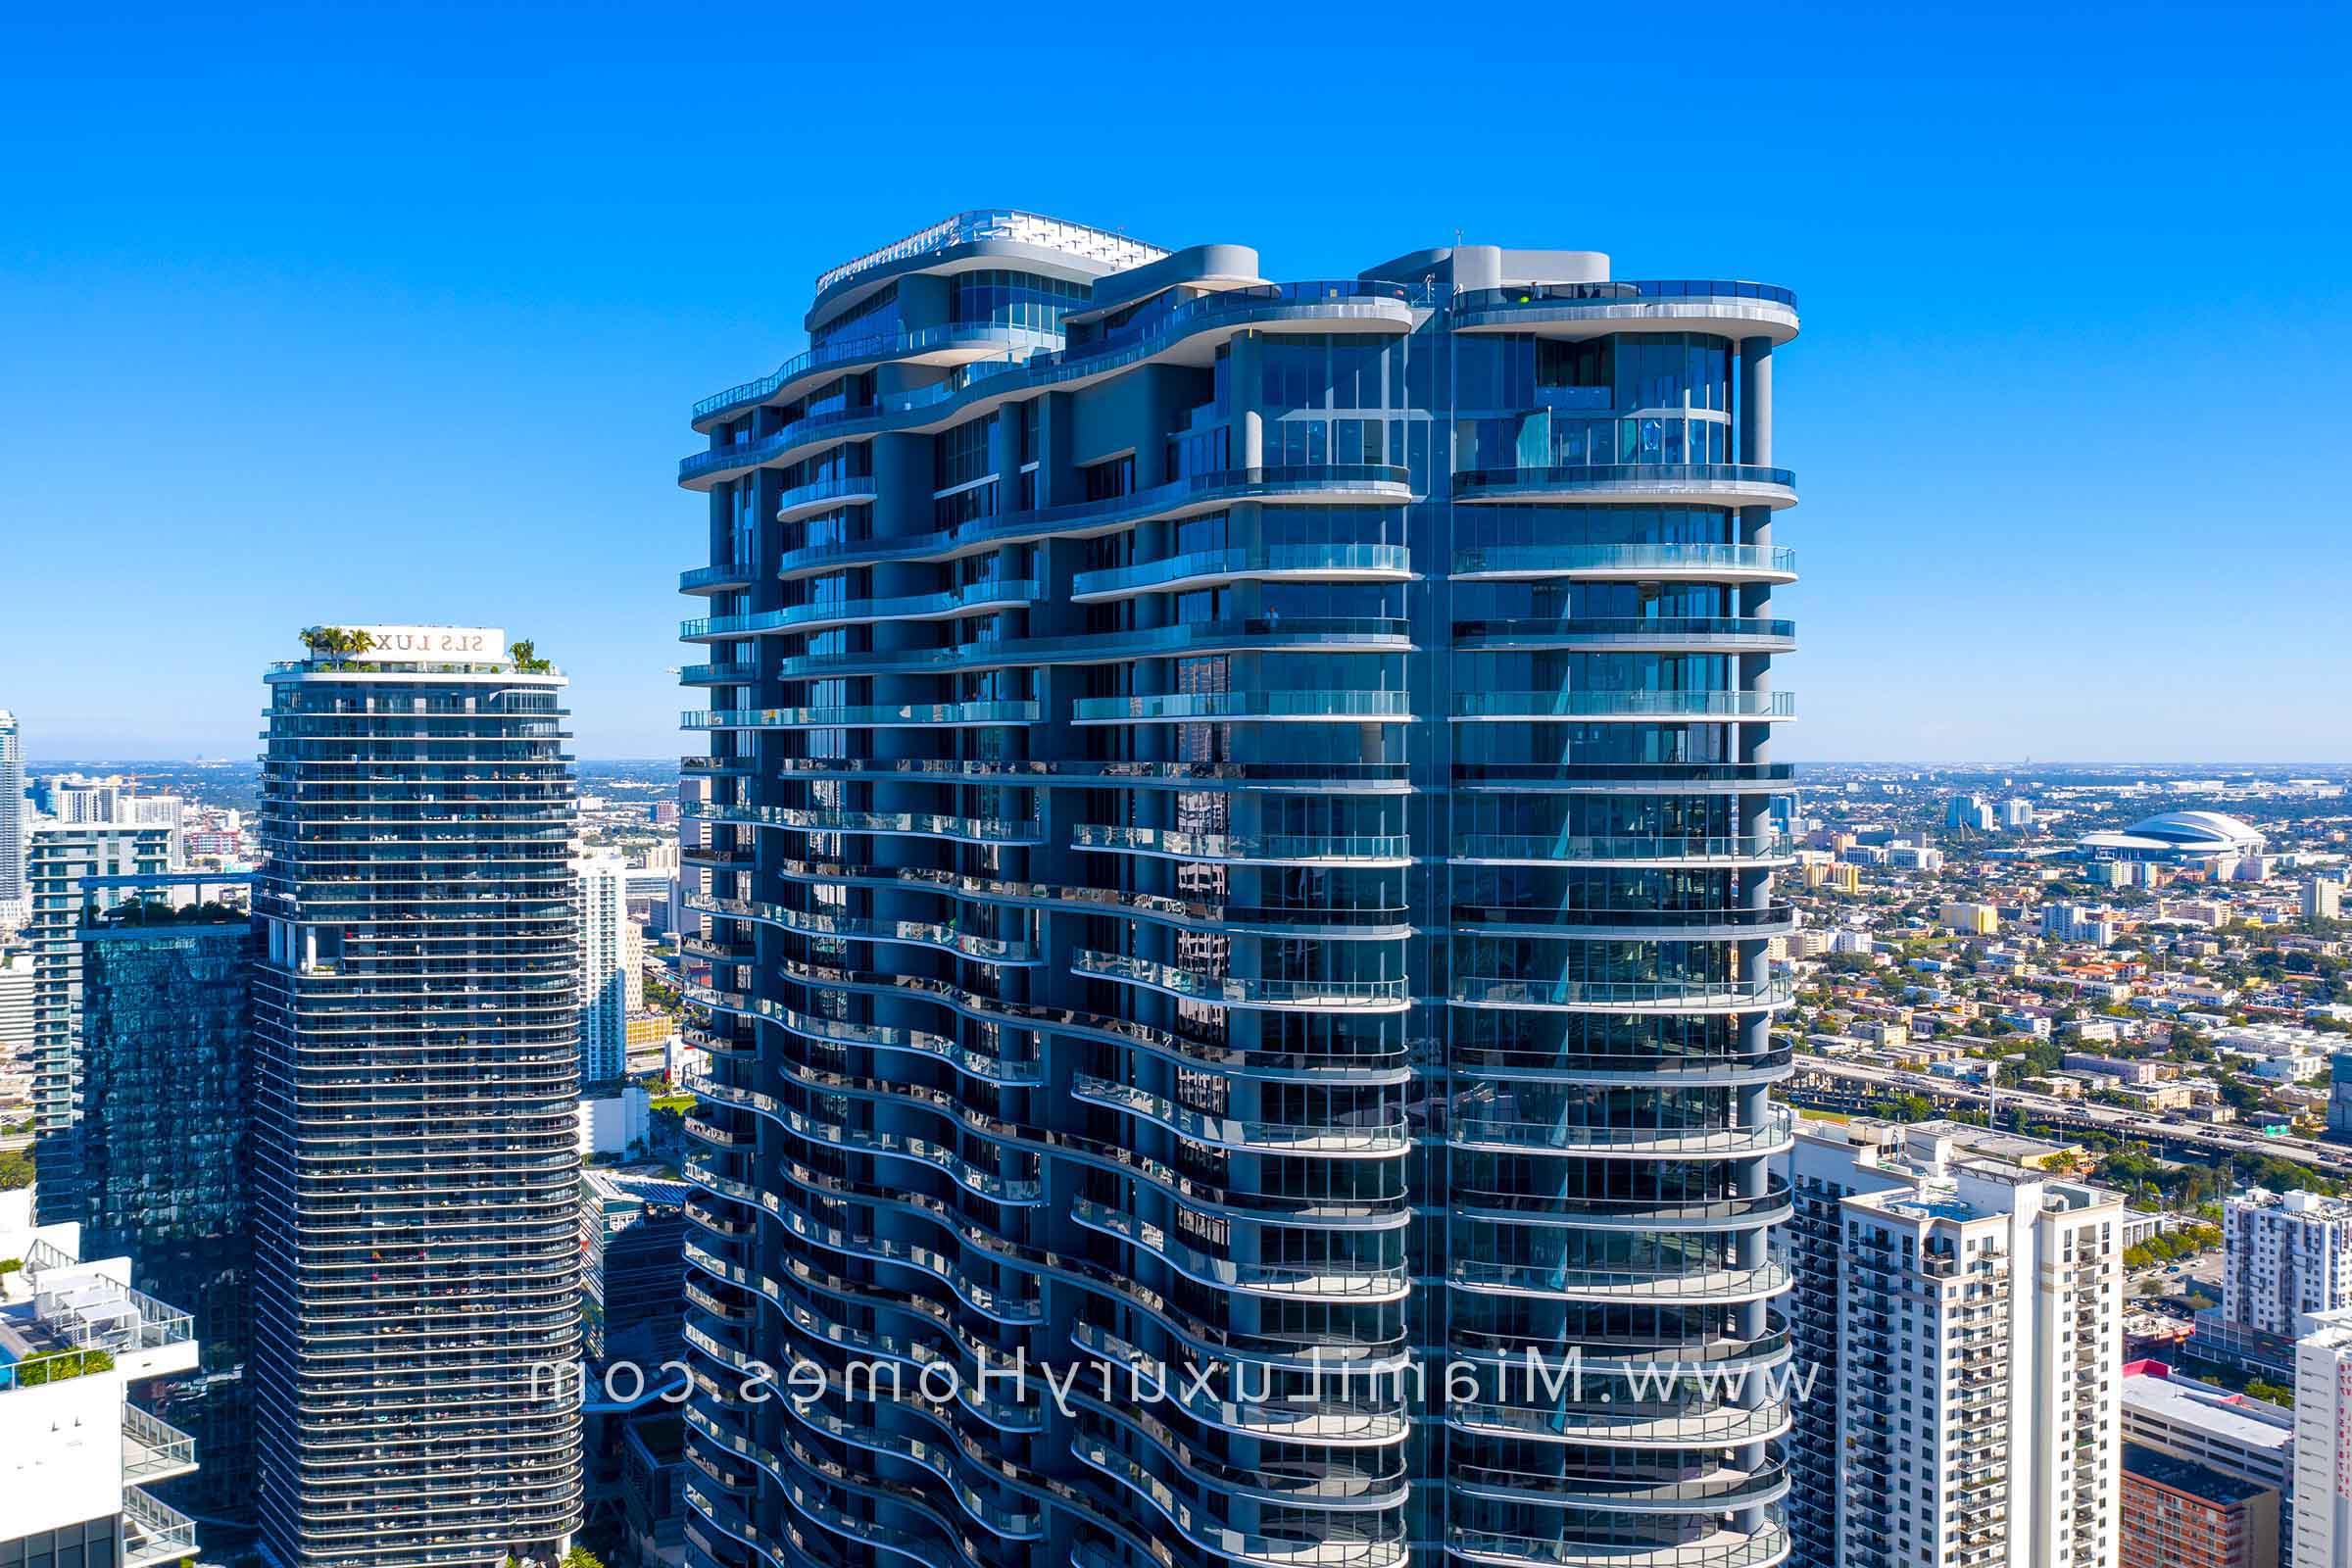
{"x": 415, "y": 1077}
{"x": 166, "y": 1027}
{"x": 1238, "y": 841}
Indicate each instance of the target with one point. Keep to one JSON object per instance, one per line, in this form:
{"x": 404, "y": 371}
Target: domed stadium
{"x": 2175, "y": 836}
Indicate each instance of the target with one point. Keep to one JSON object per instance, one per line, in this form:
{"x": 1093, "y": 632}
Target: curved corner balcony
{"x": 718, "y": 674}
{"x": 908, "y": 825}
{"x": 1721, "y": 1487}
{"x": 1316, "y": 483}
{"x": 972, "y": 599}
{"x": 1339, "y": 1280}
{"x": 725, "y": 577}
{"x": 1718, "y": 306}
{"x": 1372, "y": 1139}
{"x": 1719, "y": 484}
{"x": 822, "y": 495}
{"x": 1622, "y": 995}
{"x": 1664, "y": 562}
{"x": 957, "y": 343}
{"x": 1662, "y": 634}
{"x": 1620, "y": 707}
{"x": 1233, "y": 991}
{"x": 1205, "y": 569}
{"x": 1761, "y": 1548}
{"x": 1706, "y": 1424}
{"x": 1480, "y": 1128}
{"x": 1569, "y": 849}
{"x": 1235, "y": 849}
{"x": 988, "y": 361}
{"x": 904, "y": 715}
{"x": 1234, "y": 708}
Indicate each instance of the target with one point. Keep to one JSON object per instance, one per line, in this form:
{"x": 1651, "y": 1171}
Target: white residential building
{"x": 72, "y": 1452}
{"x": 2323, "y": 1536}
{"x": 606, "y": 967}
{"x": 2287, "y": 1254}
{"x": 15, "y": 1013}
{"x": 1967, "y": 1311}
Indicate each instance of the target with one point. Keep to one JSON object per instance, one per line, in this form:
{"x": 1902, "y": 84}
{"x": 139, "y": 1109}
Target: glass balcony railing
{"x": 1336, "y": 483}
{"x": 902, "y": 715}
{"x": 1240, "y": 706}
{"x": 710, "y": 580}
{"x": 874, "y": 350}
{"x": 1339, "y": 561}
{"x": 1660, "y": 996}
{"x": 1472, "y": 484}
{"x": 1570, "y": 849}
{"x": 919, "y": 824}
{"x": 943, "y": 606}
{"x": 1270, "y": 848}
{"x": 1504, "y": 1128}
{"x": 1626, "y": 559}
{"x": 1628, "y": 631}
{"x": 1626, "y": 291}
{"x": 1242, "y": 991}
{"x": 1623, "y": 705}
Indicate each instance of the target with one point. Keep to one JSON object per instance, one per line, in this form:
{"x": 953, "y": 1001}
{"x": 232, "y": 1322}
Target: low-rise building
{"x": 75, "y": 1456}
{"x": 2178, "y": 1513}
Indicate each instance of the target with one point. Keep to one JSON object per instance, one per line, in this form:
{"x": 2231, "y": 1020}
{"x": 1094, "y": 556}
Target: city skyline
{"x": 2017, "y": 267}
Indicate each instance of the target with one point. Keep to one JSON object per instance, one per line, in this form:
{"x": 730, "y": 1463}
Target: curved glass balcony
{"x": 1260, "y": 634}
{"x": 1722, "y": 1487}
{"x": 1727, "y": 563}
{"x": 1718, "y": 307}
{"x": 1377, "y": 996}
{"x": 1729, "y": 484}
{"x": 970, "y": 600}
{"x": 1622, "y": 995}
{"x": 1633, "y": 635}
{"x": 1381, "y": 1137}
{"x": 904, "y": 716}
{"x": 1653, "y": 925}
{"x": 1632, "y": 707}
{"x": 1315, "y": 484}
{"x": 910, "y": 825}
{"x": 1761, "y": 1548}
{"x": 1334, "y": 1281}
{"x": 1336, "y": 1547}
{"x": 1643, "y": 1425}
{"x": 1769, "y": 1207}
{"x": 960, "y": 340}
{"x": 718, "y": 578}
{"x": 1482, "y": 1129}
{"x": 1389, "y": 849}
{"x": 718, "y": 674}
{"x": 1570, "y": 849}
{"x": 819, "y": 495}
{"x": 1202, "y": 568}
{"x": 1233, "y": 708}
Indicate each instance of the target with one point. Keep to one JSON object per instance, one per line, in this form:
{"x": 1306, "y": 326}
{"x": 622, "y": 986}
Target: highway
{"x": 2016, "y": 1104}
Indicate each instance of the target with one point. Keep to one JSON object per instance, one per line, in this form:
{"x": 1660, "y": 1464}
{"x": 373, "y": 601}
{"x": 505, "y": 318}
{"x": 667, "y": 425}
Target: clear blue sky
{"x": 394, "y": 312}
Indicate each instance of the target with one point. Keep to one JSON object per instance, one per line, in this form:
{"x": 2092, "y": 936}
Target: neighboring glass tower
{"x": 165, "y": 1029}
{"x": 1238, "y": 839}
{"x": 71, "y": 867}
{"x": 415, "y": 1069}
{"x": 14, "y": 904}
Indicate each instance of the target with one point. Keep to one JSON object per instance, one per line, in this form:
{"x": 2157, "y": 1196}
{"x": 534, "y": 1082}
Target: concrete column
{"x": 1755, "y": 401}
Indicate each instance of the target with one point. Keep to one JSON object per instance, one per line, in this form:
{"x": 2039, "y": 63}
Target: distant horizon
{"x": 1947, "y": 764}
